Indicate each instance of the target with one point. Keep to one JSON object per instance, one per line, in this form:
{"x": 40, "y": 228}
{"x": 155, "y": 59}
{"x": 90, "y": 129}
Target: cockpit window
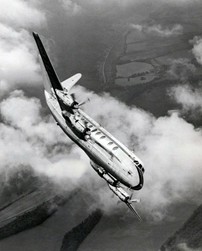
{"x": 103, "y": 137}
{"x": 90, "y": 126}
{"x": 97, "y": 133}
{"x": 110, "y": 143}
{"x": 94, "y": 130}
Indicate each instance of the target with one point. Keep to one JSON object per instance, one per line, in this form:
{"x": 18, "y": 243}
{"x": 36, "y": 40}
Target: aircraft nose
{"x": 139, "y": 174}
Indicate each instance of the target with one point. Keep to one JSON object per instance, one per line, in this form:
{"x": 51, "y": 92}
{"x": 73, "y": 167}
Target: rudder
{"x": 54, "y": 81}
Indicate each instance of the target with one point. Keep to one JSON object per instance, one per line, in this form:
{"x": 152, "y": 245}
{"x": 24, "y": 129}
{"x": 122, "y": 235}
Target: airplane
{"x": 112, "y": 160}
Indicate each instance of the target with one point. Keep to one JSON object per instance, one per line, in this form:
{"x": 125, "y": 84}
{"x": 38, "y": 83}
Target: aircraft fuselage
{"x": 102, "y": 148}
{"x": 111, "y": 159}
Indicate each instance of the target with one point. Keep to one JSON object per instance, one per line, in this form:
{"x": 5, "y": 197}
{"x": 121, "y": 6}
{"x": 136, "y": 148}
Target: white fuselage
{"x": 101, "y": 147}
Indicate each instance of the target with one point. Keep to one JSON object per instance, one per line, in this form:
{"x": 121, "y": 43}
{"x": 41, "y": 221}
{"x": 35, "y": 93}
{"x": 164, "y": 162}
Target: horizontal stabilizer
{"x": 70, "y": 82}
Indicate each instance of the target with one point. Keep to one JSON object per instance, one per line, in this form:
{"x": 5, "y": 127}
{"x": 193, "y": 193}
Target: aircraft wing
{"x": 70, "y": 82}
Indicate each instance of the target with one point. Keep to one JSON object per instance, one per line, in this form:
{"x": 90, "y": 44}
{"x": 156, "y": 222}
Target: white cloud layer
{"x": 181, "y": 69}
{"x": 197, "y": 48}
{"x": 189, "y": 98}
{"x": 101, "y": 5}
{"x": 28, "y": 139}
{"x": 18, "y": 63}
{"x": 169, "y": 147}
{"x": 185, "y": 247}
{"x": 20, "y": 13}
{"x": 72, "y": 8}
{"x": 157, "y": 29}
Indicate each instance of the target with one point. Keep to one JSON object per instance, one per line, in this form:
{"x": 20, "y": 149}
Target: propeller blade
{"x": 84, "y": 102}
{"x": 73, "y": 96}
{"x": 135, "y": 200}
{"x": 134, "y": 211}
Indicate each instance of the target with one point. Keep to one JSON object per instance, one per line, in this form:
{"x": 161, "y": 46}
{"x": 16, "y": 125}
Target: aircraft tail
{"x": 70, "y": 82}
{"x": 52, "y": 80}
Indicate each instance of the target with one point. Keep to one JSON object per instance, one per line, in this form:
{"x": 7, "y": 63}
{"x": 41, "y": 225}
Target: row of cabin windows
{"x": 102, "y": 137}
{"x": 115, "y": 147}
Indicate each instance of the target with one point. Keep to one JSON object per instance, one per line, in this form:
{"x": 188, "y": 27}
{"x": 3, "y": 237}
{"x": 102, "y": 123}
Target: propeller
{"x": 74, "y": 99}
{"x": 84, "y": 102}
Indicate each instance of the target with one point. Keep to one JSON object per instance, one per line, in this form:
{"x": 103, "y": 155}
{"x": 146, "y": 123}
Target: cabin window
{"x": 97, "y": 133}
{"x": 102, "y": 137}
{"x": 115, "y": 148}
{"x": 94, "y": 130}
{"x": 110, "y": 143}
{"x": 90, "y": 126}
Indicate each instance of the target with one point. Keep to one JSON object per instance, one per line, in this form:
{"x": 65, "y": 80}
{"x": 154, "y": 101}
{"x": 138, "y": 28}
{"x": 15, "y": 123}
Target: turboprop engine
{"x": 67, "y": 99}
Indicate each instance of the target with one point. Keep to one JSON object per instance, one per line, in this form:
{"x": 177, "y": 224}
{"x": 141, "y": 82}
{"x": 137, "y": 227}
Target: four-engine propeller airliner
{"x": 112, "y": 160}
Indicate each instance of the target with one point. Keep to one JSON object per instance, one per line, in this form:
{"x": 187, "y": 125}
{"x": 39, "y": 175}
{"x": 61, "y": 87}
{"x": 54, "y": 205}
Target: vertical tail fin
{"x": 53, "y": 78}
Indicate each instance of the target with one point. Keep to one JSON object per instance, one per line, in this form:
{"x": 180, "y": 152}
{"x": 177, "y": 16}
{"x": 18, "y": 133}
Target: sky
{"x": 169, "y": 146}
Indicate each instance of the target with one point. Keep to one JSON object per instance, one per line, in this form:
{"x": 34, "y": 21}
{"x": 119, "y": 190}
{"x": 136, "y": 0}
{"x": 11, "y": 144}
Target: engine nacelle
{"x": 120, "y": 193}
{"x": 65, "y": 114}
{"x": 78, "y": 124}
{"x": 67, "y": 99}
{"x": 108, "y": 179}
{"x": 103, "y": 174}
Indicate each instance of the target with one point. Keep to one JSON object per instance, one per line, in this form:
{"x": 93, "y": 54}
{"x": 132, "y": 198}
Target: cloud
{"x": 118, "y": 3}
{"x": 169, "y": 147}
{"x": 188, "y": 97}
{"x": 19, "y": 13}
{"x": 72, "y": 8}
{"x": 18, "y": 61}
{"x": 197, "y": 48}
{"x": 184, "y": 247}
{"x": 157, "y": 29}
{"x": 28, "y": 139}
{"x": 181, "y": 69}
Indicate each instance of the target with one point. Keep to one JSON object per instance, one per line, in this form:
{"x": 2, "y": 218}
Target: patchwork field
{"x": 134, "y": 73}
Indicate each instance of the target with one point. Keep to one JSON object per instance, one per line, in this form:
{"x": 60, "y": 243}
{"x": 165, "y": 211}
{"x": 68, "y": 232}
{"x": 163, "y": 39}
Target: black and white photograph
{"x": 100, "y": 125}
